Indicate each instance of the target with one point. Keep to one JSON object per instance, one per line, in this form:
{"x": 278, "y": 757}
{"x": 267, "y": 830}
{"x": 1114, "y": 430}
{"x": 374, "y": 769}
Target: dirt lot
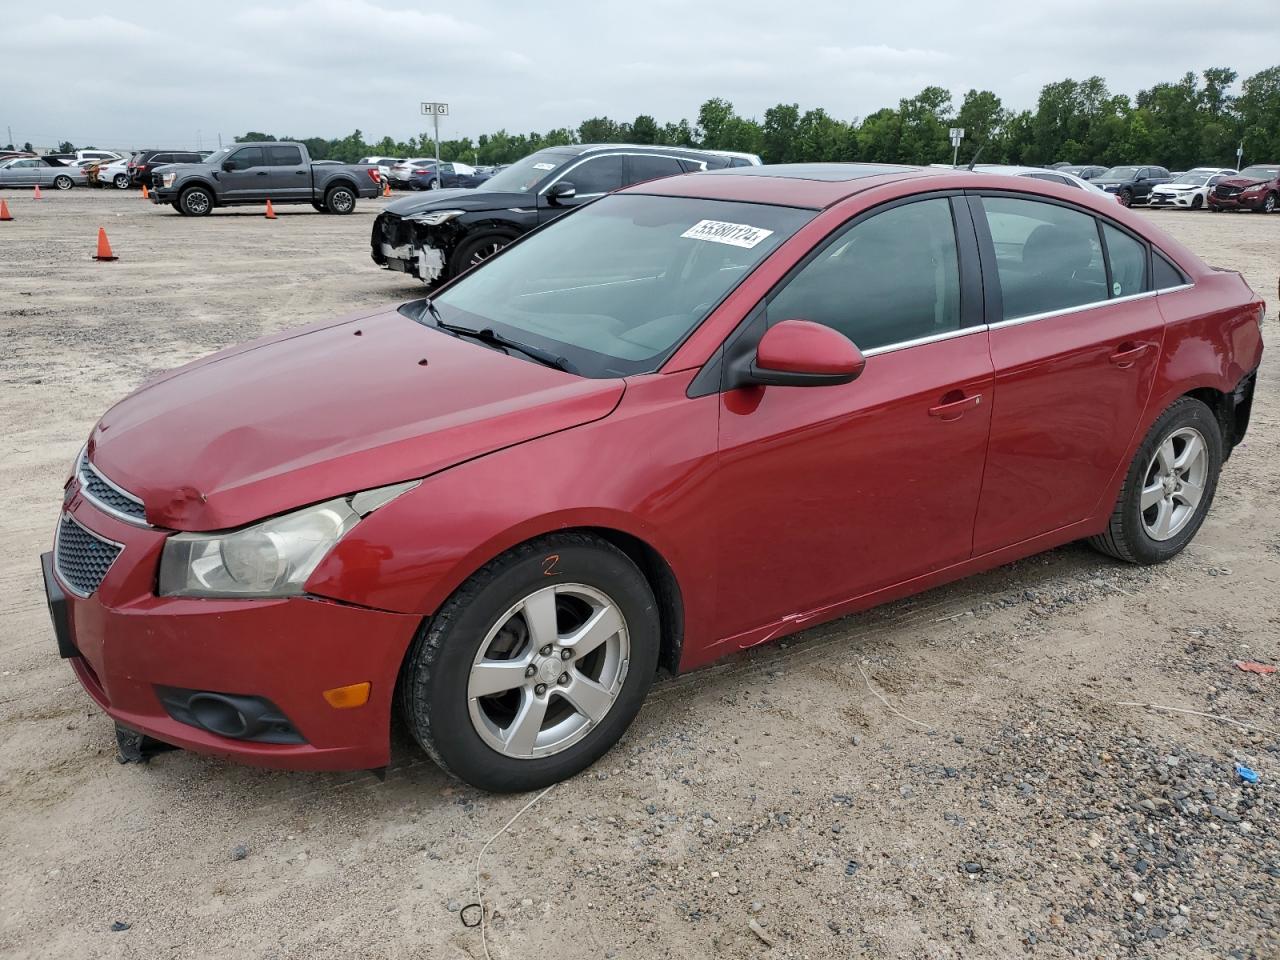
{"x": 1022, "y": 813}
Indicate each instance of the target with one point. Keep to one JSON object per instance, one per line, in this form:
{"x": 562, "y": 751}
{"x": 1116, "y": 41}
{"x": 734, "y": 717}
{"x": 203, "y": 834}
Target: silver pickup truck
{"x": 256, "y": 172}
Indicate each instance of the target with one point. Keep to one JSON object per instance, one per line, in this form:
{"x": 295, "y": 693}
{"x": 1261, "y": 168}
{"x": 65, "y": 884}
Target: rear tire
{"x": 339, "y": 200}
{"x": 120, "y": 181}
{"x": 483, "y": 739}
{"x": 63, "y": 182}
{"x": 1134, "y": 534}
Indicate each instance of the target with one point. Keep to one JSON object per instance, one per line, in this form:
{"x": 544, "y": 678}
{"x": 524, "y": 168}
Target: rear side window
{"x": 1164, "y": 273}
{"x": 1128, "y": 260}
{"x": 891, "y": 278}
{"x": 651, "y": 168}
{"x": 1047, "y": 256}
{"x": 285, "y": 156}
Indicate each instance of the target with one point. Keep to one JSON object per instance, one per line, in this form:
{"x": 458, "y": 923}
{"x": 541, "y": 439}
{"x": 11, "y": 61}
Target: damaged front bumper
{"x": 398, "y": 244}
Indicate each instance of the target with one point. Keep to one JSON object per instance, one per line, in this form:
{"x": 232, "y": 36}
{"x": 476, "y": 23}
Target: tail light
{"x": 373, "y": 174}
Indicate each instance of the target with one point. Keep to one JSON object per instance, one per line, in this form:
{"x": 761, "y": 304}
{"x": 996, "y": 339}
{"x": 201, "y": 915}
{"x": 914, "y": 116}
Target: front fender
{"x": 647, "y": 470}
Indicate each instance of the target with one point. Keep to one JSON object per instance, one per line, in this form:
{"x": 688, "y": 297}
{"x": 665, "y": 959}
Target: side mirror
{"x": 229, "y": 166}
{"x": 562, "y": 191}
{"x": 799, "y": 353}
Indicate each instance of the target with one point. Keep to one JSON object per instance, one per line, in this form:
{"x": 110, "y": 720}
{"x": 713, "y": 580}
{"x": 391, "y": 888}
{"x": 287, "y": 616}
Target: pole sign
{"x": 957, "y": 134}
{"x": 436, "y": 110}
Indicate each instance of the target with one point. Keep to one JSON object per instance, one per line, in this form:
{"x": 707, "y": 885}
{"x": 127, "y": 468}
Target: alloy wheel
{"x": 1174, "y": 483}
{"x": 485, "y": 252}
{"x": 121, "y": 181}
{"x": 197, "y": 202}
{"x": 548, "y": 671}
{"x": 1269, "y": 204}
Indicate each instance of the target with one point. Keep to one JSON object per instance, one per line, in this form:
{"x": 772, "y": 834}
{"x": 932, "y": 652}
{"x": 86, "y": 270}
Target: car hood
{"x": 1244, "y": 182}
{"x": 458, "y": 199}
{"x": 327, "y": 410}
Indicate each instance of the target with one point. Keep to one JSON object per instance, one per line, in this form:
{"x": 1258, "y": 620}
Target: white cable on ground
{"x": 479, "y": 894}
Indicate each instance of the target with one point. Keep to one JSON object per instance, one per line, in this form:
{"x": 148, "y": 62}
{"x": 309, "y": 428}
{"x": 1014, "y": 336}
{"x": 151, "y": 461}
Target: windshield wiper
{"x": 492, "y": 337}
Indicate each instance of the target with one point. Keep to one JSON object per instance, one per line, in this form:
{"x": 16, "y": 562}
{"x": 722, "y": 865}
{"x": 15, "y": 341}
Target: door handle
{"x": 261, "y": 173}
{"x": 299, "y": 173}
{"x": 954, "y": 409}
{"x": 1127, "y": 353}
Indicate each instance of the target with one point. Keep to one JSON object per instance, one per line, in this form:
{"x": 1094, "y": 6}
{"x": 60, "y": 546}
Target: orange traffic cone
{"x": 386, "y": 188}
{"x": 145, "y": 195}
{"x": 36, "y": 195}
{"x": 271, "y": 214}
{"x": 4, "y": 211}
{"x": 104, "y": 247}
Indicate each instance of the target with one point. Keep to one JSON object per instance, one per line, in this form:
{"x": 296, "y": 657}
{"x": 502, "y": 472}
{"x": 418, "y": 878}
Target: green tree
{"x": 599, "y": 130}
{"x": 879, "y": 136}
{"x": 1259, "y": 107}
{"x": 924, "y": 127}
{"x": 645, "y": 129}
{"x": 982, "y": 117}
{"x": 778, "y": 135}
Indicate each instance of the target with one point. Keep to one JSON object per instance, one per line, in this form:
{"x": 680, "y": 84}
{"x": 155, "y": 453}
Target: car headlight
{"x": 1254, "y": 188}
{"x": 168, "y": 178}
{"x": 272, "y": 558}
{"x": 436, "y": 217}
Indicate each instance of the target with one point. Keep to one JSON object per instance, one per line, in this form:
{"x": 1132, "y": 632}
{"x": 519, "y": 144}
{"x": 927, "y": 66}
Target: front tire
{"x": 1269, "y": 204}
{"x": 477, "y": 250}
{"x": 536, "y": 665}
{"x": 63, "y": 182}
{"x": 340, "y": 200}
{"x": 195, "y": 202}
{"x": 1197, "y": 202}
{"x": 1126, "y": 198}
{"x": 1169, "y": 487}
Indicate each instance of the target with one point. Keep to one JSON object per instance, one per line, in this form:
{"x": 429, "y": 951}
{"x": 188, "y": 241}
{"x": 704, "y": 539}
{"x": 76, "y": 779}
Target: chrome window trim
{"x": 1017, "y": 321}
{"x": 84, "y": 464}
{"x": 597, "y": 154}
{"x": 57, "y": 538}
{"x": 921, "y": 341}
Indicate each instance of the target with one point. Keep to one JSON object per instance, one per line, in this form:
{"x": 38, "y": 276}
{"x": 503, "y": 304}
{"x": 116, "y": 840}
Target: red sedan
{"x": 688, "y": 418}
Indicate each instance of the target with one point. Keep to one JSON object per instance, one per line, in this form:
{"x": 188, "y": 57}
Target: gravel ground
{"x": 997, "y": 802}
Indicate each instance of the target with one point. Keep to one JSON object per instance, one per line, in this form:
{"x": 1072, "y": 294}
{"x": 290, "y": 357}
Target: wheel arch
{"x": 185, "y": 185}
{"x": 342, "y": 182}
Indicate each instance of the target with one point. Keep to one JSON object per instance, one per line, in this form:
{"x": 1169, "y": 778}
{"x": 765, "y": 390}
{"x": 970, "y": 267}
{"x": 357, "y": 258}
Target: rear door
{"x": 290, "y": 178}
{"x": 245, "y": 175}
{"x": 1075, "y": 338}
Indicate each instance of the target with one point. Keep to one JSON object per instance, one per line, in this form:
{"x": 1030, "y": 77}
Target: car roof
{"x": 811, "y": 185}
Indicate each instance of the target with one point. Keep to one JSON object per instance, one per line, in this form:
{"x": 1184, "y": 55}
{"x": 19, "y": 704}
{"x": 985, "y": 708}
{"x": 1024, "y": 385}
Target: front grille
{"x": 82, "y": 558}
{"x": 107, "y": 495}
{"x": 395, "y": 230}
{"x": 1223, "y": 190}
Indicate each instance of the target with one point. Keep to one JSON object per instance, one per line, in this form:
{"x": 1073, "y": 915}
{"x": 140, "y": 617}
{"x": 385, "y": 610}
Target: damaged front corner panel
{"x": 419, "y": 259}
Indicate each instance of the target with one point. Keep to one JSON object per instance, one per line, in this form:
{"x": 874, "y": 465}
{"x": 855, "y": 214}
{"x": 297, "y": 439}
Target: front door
{"x": 840, "y": 491}
{"x": 1075, "y": 338}
{"x": 249, "y": 176}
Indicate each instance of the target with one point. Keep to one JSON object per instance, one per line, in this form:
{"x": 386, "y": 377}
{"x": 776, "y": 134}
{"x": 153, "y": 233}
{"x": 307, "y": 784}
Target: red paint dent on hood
{"x": 303, "y": 417}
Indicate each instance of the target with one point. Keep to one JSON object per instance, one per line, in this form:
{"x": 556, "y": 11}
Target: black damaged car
{"x": 437, "y": 235}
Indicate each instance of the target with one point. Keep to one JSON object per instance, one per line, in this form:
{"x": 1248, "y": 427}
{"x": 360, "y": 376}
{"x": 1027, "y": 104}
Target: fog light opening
{"x": 218, "y": 715}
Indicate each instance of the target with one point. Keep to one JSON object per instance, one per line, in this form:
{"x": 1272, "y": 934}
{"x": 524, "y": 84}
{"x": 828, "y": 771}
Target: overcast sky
{"x": 163, "y": 74}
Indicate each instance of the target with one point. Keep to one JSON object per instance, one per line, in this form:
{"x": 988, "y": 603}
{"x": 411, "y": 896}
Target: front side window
{"x": 285, "y": 156}
{"x": 1047, "y": 256}
{"x": 598, "y": 175}
{"x": 615, "y": 286}
{"x": 1128, "y": 260}
{"x": 891, "y": 278}
{"x": 246, "y": 158}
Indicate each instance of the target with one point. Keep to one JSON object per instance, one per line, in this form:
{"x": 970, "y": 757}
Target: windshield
{"x": 525, "y": 176}
{"x": 616, "y": 286}
{"x": 1193, "y": 177}
{"x": 1259, "y": 173}
{"x": 217, "y": 155}
{"x": 1120, "y": 173}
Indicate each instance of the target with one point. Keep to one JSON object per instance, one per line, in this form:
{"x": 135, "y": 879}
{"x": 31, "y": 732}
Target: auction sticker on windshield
{"x": 734, "y": 234}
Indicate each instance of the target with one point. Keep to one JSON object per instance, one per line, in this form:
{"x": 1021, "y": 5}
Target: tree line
{"x": 1197, "y": 119}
